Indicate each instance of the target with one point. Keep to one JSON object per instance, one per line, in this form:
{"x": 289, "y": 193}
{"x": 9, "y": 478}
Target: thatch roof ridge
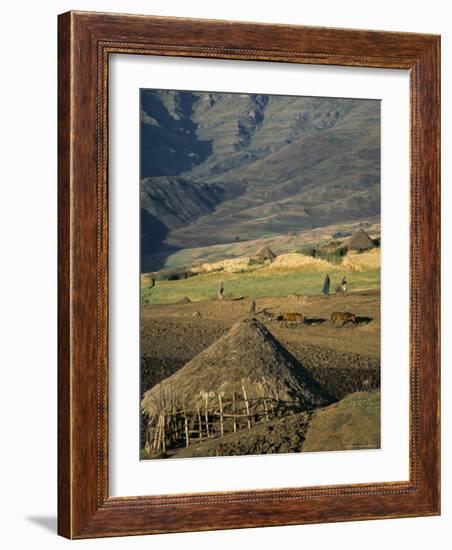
{"x": 266, "y": 252}
{"x": 247, "y": 354}
{"x": 360, "y": 240}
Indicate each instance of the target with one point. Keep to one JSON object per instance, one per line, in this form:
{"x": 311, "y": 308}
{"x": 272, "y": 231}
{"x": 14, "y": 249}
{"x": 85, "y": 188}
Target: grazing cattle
{"x": 292, "y": 318}
{"x": 342, "y": 317}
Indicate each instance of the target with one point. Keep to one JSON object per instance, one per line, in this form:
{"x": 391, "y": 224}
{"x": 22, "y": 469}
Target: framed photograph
{"x": 248, "y": 275}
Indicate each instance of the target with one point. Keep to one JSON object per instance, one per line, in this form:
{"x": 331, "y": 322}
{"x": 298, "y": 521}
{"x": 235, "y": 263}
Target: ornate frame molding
{"x": 85, "y": 42}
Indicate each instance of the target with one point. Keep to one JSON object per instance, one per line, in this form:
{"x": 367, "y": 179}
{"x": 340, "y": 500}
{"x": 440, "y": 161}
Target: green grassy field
{"x": 255, "y": 284}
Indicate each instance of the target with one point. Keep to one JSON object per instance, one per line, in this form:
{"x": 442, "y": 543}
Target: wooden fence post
{"x": 207, "y": 416}
{"x": 233, "y": 411}
{"x": 157, "y": 445}
{"x": 164, "y": 433}
{"x": 199, "y": 423}
{"x": 246, "y": 405}
{"x": 268, "y": 389}
{"x": 221, "y": 414}
{"x": 187, "y": 434}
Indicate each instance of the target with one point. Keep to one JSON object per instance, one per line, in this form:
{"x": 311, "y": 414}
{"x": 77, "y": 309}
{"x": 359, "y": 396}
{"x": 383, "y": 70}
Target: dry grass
{"x": 353, "y": 423}
{"x": 300, "y": 262}
{"x": 366, "y": 261}
{"x": 357, "y": 262}
{"x": 235, "y": 265}
{"x": 145, "y": 279}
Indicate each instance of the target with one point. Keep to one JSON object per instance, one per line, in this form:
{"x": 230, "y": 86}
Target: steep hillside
{"x": 219, "y": 168}
{"x": 170, "y": 203}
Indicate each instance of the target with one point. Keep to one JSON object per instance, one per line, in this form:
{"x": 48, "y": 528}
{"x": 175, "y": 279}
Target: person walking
{"x": 326, "y": 286}
{"x": 343, "y": 285}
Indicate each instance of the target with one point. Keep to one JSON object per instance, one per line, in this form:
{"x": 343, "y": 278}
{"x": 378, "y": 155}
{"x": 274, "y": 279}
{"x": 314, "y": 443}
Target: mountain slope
{"x": 220, "y": 167}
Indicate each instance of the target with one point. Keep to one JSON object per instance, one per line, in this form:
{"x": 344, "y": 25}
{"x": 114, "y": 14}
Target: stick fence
{"x": 172, "y": 426}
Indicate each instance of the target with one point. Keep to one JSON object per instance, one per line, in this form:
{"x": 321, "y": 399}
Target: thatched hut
{"x": 245, "y": 377}
{"x": 360, "y": 241}
{"x": 265, "y": 254}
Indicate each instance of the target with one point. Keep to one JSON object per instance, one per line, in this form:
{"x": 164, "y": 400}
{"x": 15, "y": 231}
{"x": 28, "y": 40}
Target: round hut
{"x": 360, "y": 241}
{"x": 265, "y": 254}
{"x": 245, "y": 377}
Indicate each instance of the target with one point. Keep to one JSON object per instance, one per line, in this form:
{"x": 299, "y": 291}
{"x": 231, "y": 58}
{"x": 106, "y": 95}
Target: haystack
{"x": 360, "y": 241}
{"x": 366, "y": 261}
{"x": 245, "y": 377}
{"x": 266, "y": 254}
{"x": 299, "y": 262}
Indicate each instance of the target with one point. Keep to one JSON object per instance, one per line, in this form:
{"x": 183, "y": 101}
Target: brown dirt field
{"x": 344, "y": 359}
{"x": 282, "y": 435}
{"x": 160, "y": 321}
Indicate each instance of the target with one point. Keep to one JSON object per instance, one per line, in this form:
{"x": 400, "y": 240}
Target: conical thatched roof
{"x": 248, "y": 355}
{"x": 266, "y": 254}
{"x": 360, "y": 241}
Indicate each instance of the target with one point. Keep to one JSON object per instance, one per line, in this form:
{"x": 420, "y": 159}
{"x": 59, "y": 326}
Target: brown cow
{"x": 343, "y": 317}
{"x": 287, "y": 318}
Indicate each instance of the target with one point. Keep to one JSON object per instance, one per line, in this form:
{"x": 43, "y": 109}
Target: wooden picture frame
{"x": 86, "y": 40}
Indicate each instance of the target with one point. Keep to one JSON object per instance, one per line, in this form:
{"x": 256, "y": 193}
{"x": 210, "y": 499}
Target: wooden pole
{"x": 147, "y": 443}
{"x": 164, "y": 433}
{"x": 207, "y": 416}
{"x": 268, "y": 390}
{"x": 174, "y": 431}
{"x": 221, "y": 414}
{"x": 159, "y": 435}
{"x": 246, "y": 405}
{"x": 199, "y": 423}
{"x": 233, "y": 410}
{"x": 157, "y": 447}
{"x": 156, "y": 434}
{"x": 187, "y": 435}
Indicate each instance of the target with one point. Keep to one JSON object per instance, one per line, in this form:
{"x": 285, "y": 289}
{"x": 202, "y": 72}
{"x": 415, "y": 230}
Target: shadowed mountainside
{"x": 218, "y": 167}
